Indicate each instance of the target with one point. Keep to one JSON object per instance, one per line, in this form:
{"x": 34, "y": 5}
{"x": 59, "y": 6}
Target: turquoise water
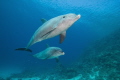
{"x": 19, "y": 19}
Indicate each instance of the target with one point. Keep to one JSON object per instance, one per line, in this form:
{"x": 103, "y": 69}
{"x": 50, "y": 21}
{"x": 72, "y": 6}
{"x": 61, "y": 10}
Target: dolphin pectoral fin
{"x": 43, "y": 20}
{"x": 62, "y": 36}
{"x": 57, "y": 59}
{"x": 24, "y": 49}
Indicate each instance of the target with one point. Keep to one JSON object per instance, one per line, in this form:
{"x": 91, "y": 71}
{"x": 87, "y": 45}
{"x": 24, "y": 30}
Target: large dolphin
{"x": 50, "y": 53}
{"x": 51, "y": 28}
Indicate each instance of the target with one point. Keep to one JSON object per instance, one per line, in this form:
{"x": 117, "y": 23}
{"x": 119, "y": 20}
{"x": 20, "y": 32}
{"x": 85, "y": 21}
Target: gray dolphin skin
{"x": 50, "y": 53}
{"x": 51, "y": 28}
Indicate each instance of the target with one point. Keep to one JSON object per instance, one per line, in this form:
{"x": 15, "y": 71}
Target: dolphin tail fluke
{"x": 24, "y": 49}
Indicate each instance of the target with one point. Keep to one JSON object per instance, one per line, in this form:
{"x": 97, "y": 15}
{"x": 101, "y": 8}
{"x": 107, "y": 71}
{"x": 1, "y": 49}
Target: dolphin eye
{"x": 63, "y": 16}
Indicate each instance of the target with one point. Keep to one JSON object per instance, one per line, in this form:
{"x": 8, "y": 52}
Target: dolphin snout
{"x": 78, "y": 15}
{"x": 63, "y": 53}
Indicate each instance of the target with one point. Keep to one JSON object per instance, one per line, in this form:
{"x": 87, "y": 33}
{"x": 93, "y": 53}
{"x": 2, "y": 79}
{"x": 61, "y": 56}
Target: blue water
{"x": 20, "y": 18}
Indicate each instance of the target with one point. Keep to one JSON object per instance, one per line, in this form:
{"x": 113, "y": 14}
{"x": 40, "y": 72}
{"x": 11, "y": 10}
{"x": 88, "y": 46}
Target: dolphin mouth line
{"x": 77, "y": 16}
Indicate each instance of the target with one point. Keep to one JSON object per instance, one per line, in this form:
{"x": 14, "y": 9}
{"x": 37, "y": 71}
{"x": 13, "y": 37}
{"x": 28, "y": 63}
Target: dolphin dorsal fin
{"x": 43, "y": 20}
{"x": 62, "y": 36}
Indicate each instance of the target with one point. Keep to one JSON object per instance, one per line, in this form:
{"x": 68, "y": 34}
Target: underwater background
{"x": 92, "y": 44}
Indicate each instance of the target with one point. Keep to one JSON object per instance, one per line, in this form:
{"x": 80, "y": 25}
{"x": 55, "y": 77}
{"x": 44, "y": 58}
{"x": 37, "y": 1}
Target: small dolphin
{"x": 51, "y": 28}
{"x": 50, "y": 53}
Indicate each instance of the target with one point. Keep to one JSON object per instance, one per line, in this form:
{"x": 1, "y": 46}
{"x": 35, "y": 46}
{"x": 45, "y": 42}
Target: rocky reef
{"x": 101, "y": 61}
